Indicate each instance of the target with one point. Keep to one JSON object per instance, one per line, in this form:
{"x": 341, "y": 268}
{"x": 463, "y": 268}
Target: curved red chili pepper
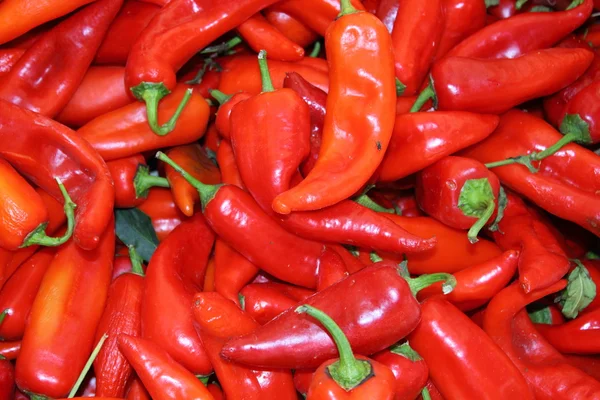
{"x": 124, "y": 31}
{"x": 232, "y": 271}
{"x": 332, "y": 269}
{"x": 47, "y": 75}
{"x": 459, "y": 355}
{"x": 293, "y": 29}
{"x": 259, "y": 34}
{"x": 164, "y": 377}
{"x": 409, "y": 369}
{"x": 415, "y": 37}
{"x": 228, "y": 166}
{"x": 19, "y": 292}
{"x": 547, "y": 371}
{"x": 174, "y": 275}
{"x": 132, "y": 180}
{"x": 101, "y": 91}
{"x": 161, "y": 208}
{"x": 461, "y": 20}
{"x": 217, "y": 320}
{"x": 125, "y": 131}
{"x": 503, "y": 10}
{"x": 8, "y": 58}
{"x": 212, "y": 138}
{"x": 565, "y": 184}
{"x": 353, "y": 144}
{"x": 420, "y": 139}
{"x": 224, "y": 112}
{"x": 30, "y": 140}
{"x": 521, "y": 34}
{"x": 578, "y": 336}
{"x": 477, "y": 284}
{"x": 588, "y": 364}
{"x": 377, "y": 296}
{"x": 68, "y": 305}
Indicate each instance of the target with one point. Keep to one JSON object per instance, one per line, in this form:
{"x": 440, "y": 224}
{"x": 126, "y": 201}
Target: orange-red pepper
{"x": 259, "y": 34}
{"x": 161, "y": 208}
{"x": 293, "y": 29}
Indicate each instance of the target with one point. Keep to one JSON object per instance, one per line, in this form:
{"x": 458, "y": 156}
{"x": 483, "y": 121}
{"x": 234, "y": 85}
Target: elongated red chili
{"x": 229, "y": 170}
{"x": 293, "y": 29}
{"x": 259, "y": 34}
{"x": 409, "y": 369}
{"x": 263, "y": 302}
{"x": 47, "y": 75}
{"x": 578, "y": 336}
{"x": 232, "y": 271}
{"x": 365, "y": 134}
{"x": 462, "y": 18}
{"x": 8, "y": 58}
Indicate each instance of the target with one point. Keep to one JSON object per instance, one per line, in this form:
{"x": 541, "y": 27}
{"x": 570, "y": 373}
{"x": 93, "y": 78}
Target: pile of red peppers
{"x": 287, "y": 199}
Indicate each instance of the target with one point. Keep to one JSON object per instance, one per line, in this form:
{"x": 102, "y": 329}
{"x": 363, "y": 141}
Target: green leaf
{"x": 579, "y": 293}
{"x": 541, "y": 316}
{"x": 406, "y": 351}
{"x": 400, "y": 87}
{"x": 491, "y": 3}
{"x": 134, "y": 228}
{"x": 212, "y": 156}
{"x": 540, "y": 9}
{"x": 574, "y": 125}
{"x": 590, "y": 255}
{"x": 519, "y": 4}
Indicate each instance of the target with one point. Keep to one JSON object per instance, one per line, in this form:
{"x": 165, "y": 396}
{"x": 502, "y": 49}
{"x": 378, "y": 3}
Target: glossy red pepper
{"x": 10, "y": 350}
{"x": 495, "y": 86}
{"x": 415, "y": 37}
{"x": 578, "y": 336}
{"x": 59, "y": 334}
{"x": 588, "y": 364}
{"x": 136, "y": 390}
{"x": 462, "y": 18}
{"x": 164, "y": 377}
{"x": 593, "y": 268}
{"x": 132, "y": 181}
{"x": 228, "y": 166}
{"x": 101, "y": 91}
{"x": 122, "y": 315}
{"x": 259, "y": 34}
{"x": 19, "y": 292}
{"x": 175, "y": 34}
{"x": 521, "y": 34}
{"x": 581, "y": 120}
{"x": 175, "y": 273}
{"x": 212, "y": 138}
{"x": 47, "y": 75}
{"x": 460, "y": 356}
{"x": 224, "y": 112}
{"x": 217, "y": 320}
{"x": 460, "y": 192}
{"x": 161, "y": 208}
{"x": 7, "y": 379}
{"x": 546, "y": 370}
{"x": 332, "y": 269}
{"x": 232, "y": 271}
{"x": 31, "y": 140}
{"x": 293, "y": 29}
{"x": 378, "y": 310}
{"x": 409, "y": 369}
{"x": 477, "y": 284}
{"x": 421, "y": 139}
{"x": 565, "y": 183}
{"x": 8, "y": 58}
{"x": 353, "y": 144}
{"x": 193, "y": 159}
{"x": 124, "y": 31}
{"x": 302, "y": 379}
{"x": 347, "y": 377}
{"x": 263, "y": 301}
{"x": 386, "y": 11}
{"x": 125, "y": 131}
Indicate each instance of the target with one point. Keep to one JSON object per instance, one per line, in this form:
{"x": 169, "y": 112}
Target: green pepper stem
{"x": 346, "y": 8}
{"x": 39, "y": 237}
{"x": 267, "y": 84}
{"x": 219, "y": 96}
{"x": 365, "y": 201}
{"x": 423, "y": 281}
{"x": 87, "y": 366}
{"x": 425, "y": 394}
{"x": 143, "y": 181}
{"x": 223, "y": 48}
{"x": 523, "y": 160}
{"x": 136, "y": 261}
{"x": 348, "y": 372}
{"x": 203, "y": 378}
{"x": 427, "y": 94}
{"x": 206, "y": 192}
{"x": 151, "y": 93}
{"x": 519, "y": 4}
{"x": 566, "y": 139}
{"x": 208, "y": 64}
{"x": 574, "y": 4}
{"x": 477, "y": 226}
{"x": 316, "y": 49}
{"x": 374, "y": 257}
{"x": 406, "y": 351}
{"x": 3, "y": 315}
{"x": 242, "y": 300}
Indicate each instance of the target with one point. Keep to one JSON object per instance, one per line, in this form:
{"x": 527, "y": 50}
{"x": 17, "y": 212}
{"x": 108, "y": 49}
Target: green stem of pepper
{"x": 267, "y": 83}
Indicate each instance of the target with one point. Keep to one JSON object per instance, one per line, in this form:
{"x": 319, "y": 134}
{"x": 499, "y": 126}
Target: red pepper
{"x": 263, "y": 302}
{"x": 415, "y": 37}
{"x": 495, "y": 86}
{"x": 232, "y": 271}
{"x": 459, "y": 355}
{"x": 17, "y": 18}
{"x": 136, "y": 390}
{"x": 218, "y": 319}
{"x": 461, "y": 20}
{"x": 228, "y": 166}
{"x": 477, "y": 284}
{"x": 175, "y": 273}
{"x": 122, "y": 315}
{"x": 125, "y": 131}
{"x": 581, "y": 120}
{"x": 164, "y": 377}
{"x": 101, "y": 91}
{"x": 7, "y": 379}
{"x": 132, "y": 180}
{"x": 123, "y": 32}
{"x": 193, "y": 159}
{"x": 565, "y": 184}
{"x": 352, "y": 263}
{"x": 347, "y": 377}
{"x": 302, "y": 379}
{"x": 593, "y": 268}
{"x": 409, "y": 369}
{"x": 460, "y": 192}
{"x": 578, "y": 336}
{"x": 174, "y": 35}
{"x": 378, "y": 310}
{"x": 386, "y": 11}
{"x": 10, "y": 350}
{"x": 259, "y": 34}
{"x": 433, "y": 391}
{"x": 47, "y": 75}
{"x": 546, "y": 370}
{"x": 19, "y": 292}
{"x": 212, "y": 138}
{"x": 224, "y": 112}
{"x": 8, "y": 58}
{"x": 522, "y": 34}
{"x": 241, "y": 74}
{"x": 161, "y": 208}
{"x": 60, "y": 329}
{"x": 354, "y": 141}
{"x": 421, "y": 139}
{"x": 332, "y": 269}
{"x": 293, "y": 29}
{"x": 31, "y": 140}
{"x": 588, "y": 364}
